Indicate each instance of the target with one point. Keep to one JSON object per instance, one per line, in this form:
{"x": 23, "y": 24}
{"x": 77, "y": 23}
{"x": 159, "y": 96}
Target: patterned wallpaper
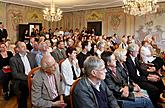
{"x": 13, "y": 15}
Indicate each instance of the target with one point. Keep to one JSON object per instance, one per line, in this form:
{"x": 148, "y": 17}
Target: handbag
{"x": 6, "y": 69}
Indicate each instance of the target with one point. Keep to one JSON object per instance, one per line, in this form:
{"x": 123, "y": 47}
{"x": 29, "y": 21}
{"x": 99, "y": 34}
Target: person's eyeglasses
{"x": 104, "y": 69}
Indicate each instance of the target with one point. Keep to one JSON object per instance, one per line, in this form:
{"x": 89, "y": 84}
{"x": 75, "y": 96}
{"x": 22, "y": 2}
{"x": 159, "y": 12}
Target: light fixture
{"x": 52, "y": 14}
{"x": 140, "y": 7}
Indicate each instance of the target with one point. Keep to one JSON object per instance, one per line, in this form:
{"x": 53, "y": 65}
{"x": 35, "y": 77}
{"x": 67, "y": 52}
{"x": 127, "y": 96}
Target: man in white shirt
{"x": 21, "y": 65}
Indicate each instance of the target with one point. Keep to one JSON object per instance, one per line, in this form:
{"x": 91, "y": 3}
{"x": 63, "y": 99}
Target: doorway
{"x": 97, "y": 26}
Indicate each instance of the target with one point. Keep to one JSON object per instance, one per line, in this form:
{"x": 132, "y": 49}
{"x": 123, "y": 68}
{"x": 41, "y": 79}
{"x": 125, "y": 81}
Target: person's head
{"x": 101, "y": 46}
{"x": 41, "y": 39}
{"x": 109, "y": 58}
{"x": 94, "y": 47}
{"x": 32, "y": 40}
{"x": 35, "y": 45}
{"x": 120, "y": 54}
{"x": 124, "y": 39}
{"x": 94, "y": 68}
{"x": 70, "y": 42}
{"x": 86, "y": 45}
{"x": 3, "y": 47}
{"x": 60, "y": 44}
{"x": 145, "y": 43}
{"x": 48, "y": 43}
{"x": 43, "y": 47}
{"x": 133, "y": 49}
{"x": 71, "y": 52}
{"x": 21, "y": 46}
{"x": 1, "y": 26}
{"x": 48, "y": 64}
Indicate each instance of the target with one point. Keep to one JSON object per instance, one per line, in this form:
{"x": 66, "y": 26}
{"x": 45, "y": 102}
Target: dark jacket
{"x": 115, "y": 83}
{"x": 132, "y": 69}
{"x": 84, "y": 96}
{"x": 18, "y": 70}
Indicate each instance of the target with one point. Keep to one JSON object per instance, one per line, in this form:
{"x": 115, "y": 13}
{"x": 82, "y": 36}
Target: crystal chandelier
{"x": 52, "y": 14}
{"x": 140, "y": 7}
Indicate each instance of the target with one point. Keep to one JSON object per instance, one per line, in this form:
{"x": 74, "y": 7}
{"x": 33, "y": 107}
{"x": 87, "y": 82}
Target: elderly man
{"x": 91, "y": 91}
{"x": 147, "y": 81}
{"x": 21, "y": 65}
{"x": 46, "y": 85}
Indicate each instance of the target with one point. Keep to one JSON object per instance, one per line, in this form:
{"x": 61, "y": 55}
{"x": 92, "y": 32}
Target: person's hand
{"x": 136, "y": 87}
{"x": 125, "y": 91}
{"x": 153, "y": 78}
{"x": 138, "y": 94}
{"x": 151, "y": 69}
{"x": 59, "y": 104}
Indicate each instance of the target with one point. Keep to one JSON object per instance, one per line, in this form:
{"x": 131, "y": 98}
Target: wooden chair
{"x": 30, "y": 78}
{"x": 71, "y": 92}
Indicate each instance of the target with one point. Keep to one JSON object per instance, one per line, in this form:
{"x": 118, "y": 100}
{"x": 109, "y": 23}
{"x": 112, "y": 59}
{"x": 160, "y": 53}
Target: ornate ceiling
{"x": 70, "y": 5}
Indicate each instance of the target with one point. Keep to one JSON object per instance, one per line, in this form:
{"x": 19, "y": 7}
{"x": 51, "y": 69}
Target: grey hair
{"x": 99, "y": 45}
{"x": 45, "y": 61}
{"x": 41, "y": 44}
{"x": 92, "y": 63}
{"x": 19, "y": 43}
{"x": 119, "y": 53}
{"x": 132, "y": 47}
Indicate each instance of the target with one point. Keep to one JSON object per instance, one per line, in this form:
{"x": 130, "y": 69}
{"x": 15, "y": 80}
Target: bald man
{"x": 46, "y": 85}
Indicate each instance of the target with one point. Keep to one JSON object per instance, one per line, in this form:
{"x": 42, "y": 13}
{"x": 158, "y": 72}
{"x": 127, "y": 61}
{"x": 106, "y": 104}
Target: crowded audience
{"x": 109, "y": 70}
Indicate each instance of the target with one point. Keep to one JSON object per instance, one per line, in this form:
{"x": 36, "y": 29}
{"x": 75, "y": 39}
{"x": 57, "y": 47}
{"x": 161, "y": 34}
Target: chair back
{"x": 30, "y": 78}
{"x": 71, "y": 92}
{"x": 60, "y": 62}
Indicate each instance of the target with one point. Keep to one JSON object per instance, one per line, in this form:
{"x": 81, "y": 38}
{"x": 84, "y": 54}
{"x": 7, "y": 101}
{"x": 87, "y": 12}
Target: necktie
{"x": 138, "y": 73}
{"x": 74, "y": 73}
{"x": 114, "y": 71}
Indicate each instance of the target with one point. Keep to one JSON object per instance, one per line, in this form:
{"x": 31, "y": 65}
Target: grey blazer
{"x": 41, "y": 91}
{"x": 84, "y": 96}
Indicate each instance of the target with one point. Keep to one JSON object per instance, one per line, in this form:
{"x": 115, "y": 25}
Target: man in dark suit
{"x": 21, "y": 64}
{"x": 3, "y": 32}
{"x": 147, "y": 81}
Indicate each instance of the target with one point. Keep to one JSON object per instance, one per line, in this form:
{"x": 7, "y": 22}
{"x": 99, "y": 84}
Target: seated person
{"x": 59, "y": 53}
{"x": 43, "y": 49}
{"x": 5, "y": 70}
{"x": 147, "y": 81}
{"x": 69, "y": 69}
{"x": 46, "y": 86}
{"x": 91, "y": 91}
{"x": 127, "y": 95}
{"x": 147, "y": 55}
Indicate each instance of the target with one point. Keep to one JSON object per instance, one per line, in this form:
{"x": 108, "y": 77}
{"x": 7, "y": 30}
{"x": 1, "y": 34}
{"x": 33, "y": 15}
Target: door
{"x": 22, "y": 29}
{"x": 97, "y": 26}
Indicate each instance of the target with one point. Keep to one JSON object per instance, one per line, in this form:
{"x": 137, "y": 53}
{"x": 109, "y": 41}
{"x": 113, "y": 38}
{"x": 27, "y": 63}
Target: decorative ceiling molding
{"x": 70, "y": 5}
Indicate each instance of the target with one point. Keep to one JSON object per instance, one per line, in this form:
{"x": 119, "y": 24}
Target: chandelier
{"x": 140, "y": 7}
{"x": 52, "y": 14}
